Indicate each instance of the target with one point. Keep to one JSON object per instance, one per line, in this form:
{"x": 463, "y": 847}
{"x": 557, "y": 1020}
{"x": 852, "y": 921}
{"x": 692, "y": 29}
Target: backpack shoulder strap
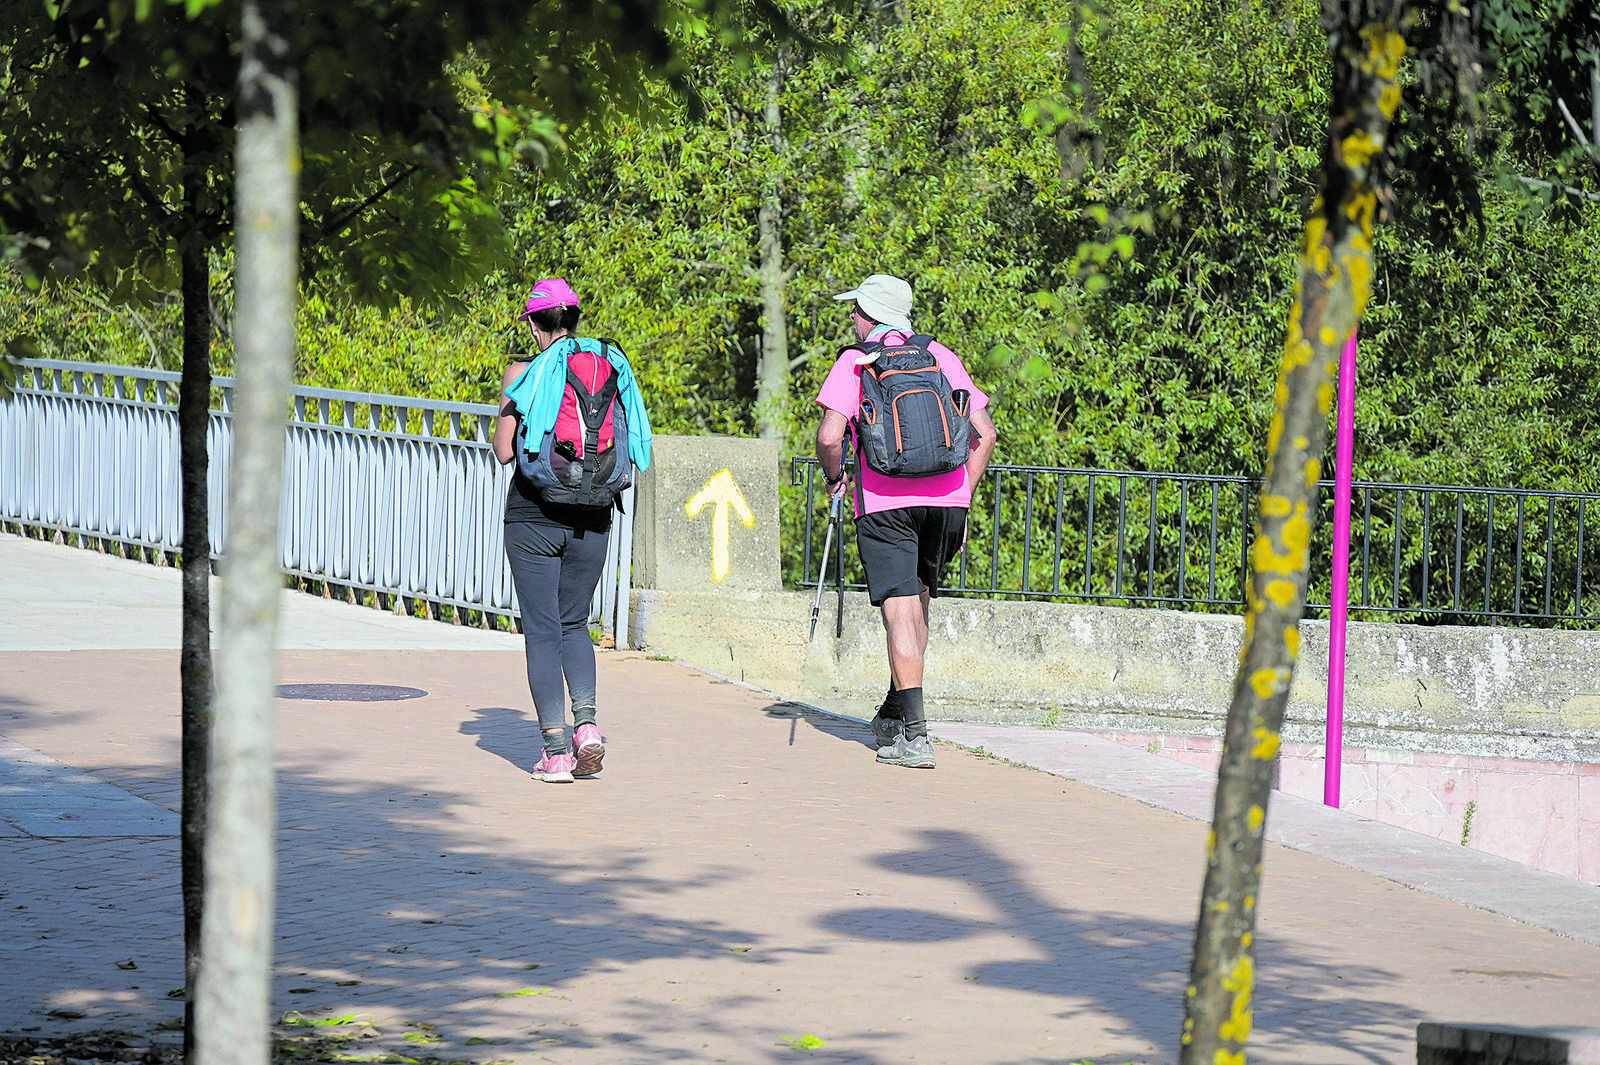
{"x": 608, "y": 347}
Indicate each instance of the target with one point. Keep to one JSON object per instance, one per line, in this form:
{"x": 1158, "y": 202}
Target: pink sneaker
{"x": 591, "y": 751}
{"x": 554, "y": 768}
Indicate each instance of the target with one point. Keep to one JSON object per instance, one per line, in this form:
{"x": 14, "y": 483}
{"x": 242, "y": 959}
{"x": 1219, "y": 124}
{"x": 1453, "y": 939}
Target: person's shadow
{"x": 850, "y": 729}
{"x": 507, "y": 733}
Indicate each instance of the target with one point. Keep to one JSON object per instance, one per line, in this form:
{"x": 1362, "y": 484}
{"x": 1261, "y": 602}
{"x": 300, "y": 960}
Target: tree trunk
{"x": 772, "y": 365}
{"x": 235, "y": 1001}
{"x": 1334, "y": 283}
{"x": 195, "y": 682}
{"x": 1594, "y": 99}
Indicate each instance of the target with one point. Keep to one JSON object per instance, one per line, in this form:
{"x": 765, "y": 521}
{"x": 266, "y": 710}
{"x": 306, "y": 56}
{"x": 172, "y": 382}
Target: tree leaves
{"x": 1127, "y": 317}
{"x": 116, "y": 141}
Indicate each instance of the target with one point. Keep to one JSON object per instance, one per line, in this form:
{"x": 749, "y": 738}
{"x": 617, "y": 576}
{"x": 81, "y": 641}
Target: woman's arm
{"x": 505, "y": 426}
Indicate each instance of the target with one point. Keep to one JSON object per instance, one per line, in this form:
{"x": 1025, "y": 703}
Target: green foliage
{"x": 409, "y": 351}
{"x": 1210, "y": 117}
{"x": 74, "y": 320}
{"x": 1545, "y": 52}
{"x": 907, "y": 158}
{"x": 1098, "y": 209}
{"x": 112, "y": 130}
{"x": 1477, "y": 355}
{"x": 296, "y": 1019}
{"x": 17, "y": 348}
{"x": 116, "y": 143}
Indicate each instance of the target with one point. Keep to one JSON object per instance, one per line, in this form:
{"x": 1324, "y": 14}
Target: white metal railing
{"x": 394, "y": 495}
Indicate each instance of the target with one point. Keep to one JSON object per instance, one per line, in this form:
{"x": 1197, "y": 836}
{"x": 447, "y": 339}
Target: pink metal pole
{"x": 1333, "y": 758}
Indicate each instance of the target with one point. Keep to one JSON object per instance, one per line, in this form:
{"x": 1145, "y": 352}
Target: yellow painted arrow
{"x": 722, "y": 492}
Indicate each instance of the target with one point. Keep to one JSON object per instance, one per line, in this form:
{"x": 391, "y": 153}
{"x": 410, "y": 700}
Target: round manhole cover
{"x": 349, "y": 693}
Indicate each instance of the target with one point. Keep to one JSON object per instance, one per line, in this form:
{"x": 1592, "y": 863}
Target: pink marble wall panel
{"x": 1542, "y": 814}
{"x": 1358, "y": 786}
{"x": 1421, "y": 798}
{"x": 1299, "y": 774}
{"x": 1589, "y": 823}
{"x": 1202, "y": 751}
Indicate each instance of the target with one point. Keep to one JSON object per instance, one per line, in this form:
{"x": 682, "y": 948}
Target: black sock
{"x": 582, "y": 715}
{"x": 911, "y": 712}
{"x": 555, "y": 742}
{"x": 890, "y": 710}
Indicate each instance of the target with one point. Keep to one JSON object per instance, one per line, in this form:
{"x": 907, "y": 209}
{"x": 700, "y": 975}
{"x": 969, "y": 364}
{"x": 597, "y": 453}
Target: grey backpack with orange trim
{"x": 911, "y": 423}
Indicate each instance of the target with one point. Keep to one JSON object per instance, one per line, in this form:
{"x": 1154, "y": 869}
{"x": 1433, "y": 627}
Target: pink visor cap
{"x": 553, "y": 292}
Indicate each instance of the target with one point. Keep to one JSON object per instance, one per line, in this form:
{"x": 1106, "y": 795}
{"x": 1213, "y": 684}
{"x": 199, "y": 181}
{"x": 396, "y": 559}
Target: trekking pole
{"x": 822, "y": 570}
{"x": 838, "y": 629}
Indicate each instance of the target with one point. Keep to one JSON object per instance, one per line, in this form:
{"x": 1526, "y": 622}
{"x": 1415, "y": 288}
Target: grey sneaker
{"x": 886, "y": 729}
{"x": 911, "y": 754}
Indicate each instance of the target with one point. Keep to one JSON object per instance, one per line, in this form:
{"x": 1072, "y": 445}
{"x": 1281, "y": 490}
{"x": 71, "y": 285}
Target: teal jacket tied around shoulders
{"x": 537, "y": 394}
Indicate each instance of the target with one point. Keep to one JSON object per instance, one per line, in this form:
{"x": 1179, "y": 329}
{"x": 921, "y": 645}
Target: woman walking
{"x": 560, "y": 441}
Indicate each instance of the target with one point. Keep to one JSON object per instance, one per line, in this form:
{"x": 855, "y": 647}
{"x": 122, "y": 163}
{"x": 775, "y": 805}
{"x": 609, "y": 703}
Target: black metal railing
{"x": 1435, "y": 553}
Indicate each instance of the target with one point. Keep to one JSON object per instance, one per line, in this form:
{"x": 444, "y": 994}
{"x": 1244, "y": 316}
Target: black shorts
{"x": 904, "y": 550}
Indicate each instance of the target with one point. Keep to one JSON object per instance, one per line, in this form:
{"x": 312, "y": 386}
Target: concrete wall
{"x": 1495, "y": 692}
{"x": 706, "y": 515}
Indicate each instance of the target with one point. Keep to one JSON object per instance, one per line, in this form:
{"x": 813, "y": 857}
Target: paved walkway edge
{"x": 1533, "y": 897}
{"x": 1544, "y": 900}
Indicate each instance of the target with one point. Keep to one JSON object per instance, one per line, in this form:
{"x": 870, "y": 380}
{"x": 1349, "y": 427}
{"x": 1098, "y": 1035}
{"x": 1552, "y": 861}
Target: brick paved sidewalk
{"x": 741, "y": 875}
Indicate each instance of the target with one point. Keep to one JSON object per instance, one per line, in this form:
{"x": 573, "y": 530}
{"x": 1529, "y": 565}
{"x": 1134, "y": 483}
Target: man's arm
{"x": 982, "y": 447}
{"x": 830, "y": 451}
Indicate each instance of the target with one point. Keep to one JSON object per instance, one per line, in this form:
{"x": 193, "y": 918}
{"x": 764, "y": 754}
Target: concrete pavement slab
{"x": 65, "y": 599}
{"x": 41, "y": 797}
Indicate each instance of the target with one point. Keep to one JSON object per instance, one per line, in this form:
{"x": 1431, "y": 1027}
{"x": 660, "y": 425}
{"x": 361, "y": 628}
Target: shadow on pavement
{"x": 384, "y": 904}
{"x": 428, "y": 912}
{"x": 844, "y": 728}
{"x": 508, "y": 734}
{"x": 1070, "y": 954}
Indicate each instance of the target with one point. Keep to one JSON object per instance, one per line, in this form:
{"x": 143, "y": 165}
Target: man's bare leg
{"x": 905, "y": 624}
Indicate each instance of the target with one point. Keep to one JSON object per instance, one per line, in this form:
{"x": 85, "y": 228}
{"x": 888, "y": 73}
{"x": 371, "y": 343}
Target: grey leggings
{"x": 555, "y": 569}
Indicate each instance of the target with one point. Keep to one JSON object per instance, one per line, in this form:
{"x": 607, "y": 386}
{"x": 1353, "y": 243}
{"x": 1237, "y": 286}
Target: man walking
{"x": 909, "y": 525}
